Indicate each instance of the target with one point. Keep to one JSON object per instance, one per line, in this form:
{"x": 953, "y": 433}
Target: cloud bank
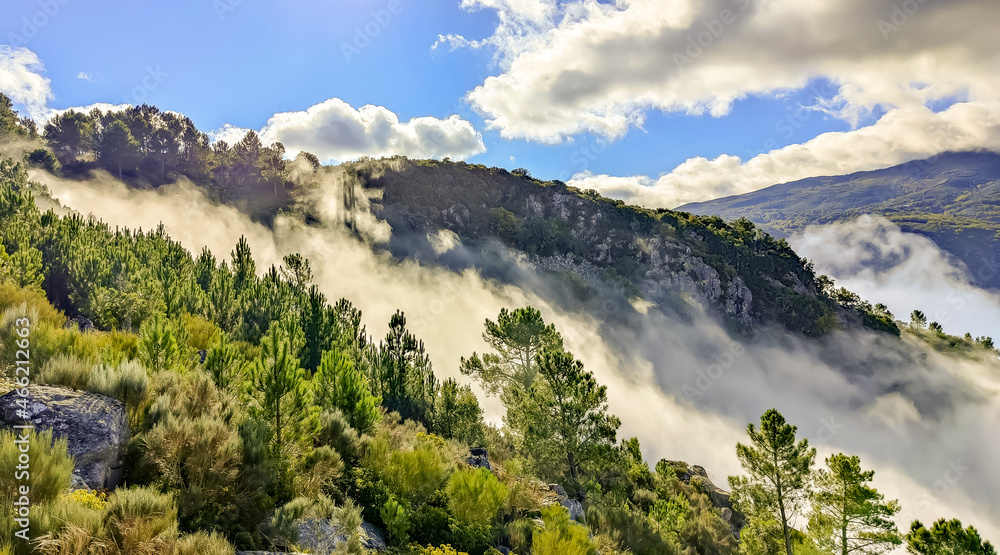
{"x": 874, "y": 258}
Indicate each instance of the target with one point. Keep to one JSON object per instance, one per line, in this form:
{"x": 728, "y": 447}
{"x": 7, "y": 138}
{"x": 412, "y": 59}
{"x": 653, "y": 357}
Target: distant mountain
{"x": 952, "y": 198}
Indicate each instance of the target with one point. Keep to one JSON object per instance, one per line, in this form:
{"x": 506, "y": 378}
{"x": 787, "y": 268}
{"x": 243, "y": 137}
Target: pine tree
{"x": 779, "y": 470}
{"x": 278, "y": 390}
{"x": 457, "y": 414}
{"x": 338, "y": 384}
{"x": 946, "y": 537}
{"x": 563, "y": 414}
{"x": 848, "y": 515}
{"x": 403, "y": 376}
{"x": 516, "y": 337}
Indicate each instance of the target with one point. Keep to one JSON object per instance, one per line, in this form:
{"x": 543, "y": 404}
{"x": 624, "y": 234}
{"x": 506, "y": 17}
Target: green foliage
{"x": 946, "y": 537}
{"x": 128, "y": 383}
{"x": 204, "y": 543}
{"x": 475, "y": 496}
{"x": 65, "y": 370}
{"x": 411, "y": 475}
{"x": 279, "y": 392}
{"x": 779, "y": 470}
{"x": 159, "y": 345}
{"x": 47, "y": 475}
{"x": 561, "y": 536}
{"x": 139, "y": 520}
{"x": 564, "y": 414}
{"x": 516, "y": 337}
{"x": 339, "y": 385}
{"x": 848, "y": 515}
{"x": 43, "y": 158}
{"x": 397, "y": 521}
{"x": 402, "y": 375}
{"x": 457, "y": 414}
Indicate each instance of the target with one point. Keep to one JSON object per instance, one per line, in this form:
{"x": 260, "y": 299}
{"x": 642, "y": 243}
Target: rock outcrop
{"x": 698, "y": 477}
{"x": 95, "y": 427}
{"x": 479, "y": 458}
{"x": 324, "y": 535}
{"x": 554, "y": 493}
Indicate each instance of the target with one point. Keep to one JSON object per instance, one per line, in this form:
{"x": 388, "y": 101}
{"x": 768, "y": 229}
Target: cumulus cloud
{"x": 21, "y": 79}
{"x": 585, "y": 65}
{"x": 335, "y": 131}
{"x": 901, "y": 135}
{"x": 874, "y": 258}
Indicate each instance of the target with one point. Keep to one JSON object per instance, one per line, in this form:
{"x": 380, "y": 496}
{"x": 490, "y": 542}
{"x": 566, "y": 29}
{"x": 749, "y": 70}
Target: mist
{"x": 686, "y": 390}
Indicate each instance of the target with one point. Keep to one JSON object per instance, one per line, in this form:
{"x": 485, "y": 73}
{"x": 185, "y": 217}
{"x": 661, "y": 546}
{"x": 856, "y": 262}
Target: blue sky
{"x": 238, "y": 62}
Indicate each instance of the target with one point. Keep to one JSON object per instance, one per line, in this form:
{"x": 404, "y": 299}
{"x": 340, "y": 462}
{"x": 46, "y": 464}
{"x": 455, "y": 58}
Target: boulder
{"x": 80, "y": 323}
{"x": 719, "y": 498}
{"x": 479, "y": 458}
{"x": 323, "y": 535}
{"x": 95, "y": 427}
{"x": 557, "y": 494}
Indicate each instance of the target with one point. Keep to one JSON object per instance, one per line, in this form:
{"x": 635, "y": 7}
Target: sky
{"x": 658, "y": 102}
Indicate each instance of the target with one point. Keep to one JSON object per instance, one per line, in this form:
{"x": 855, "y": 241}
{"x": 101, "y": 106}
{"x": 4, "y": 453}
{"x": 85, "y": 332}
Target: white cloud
{"x": 874, "y": 258}
{"x": 335, "y": 131}
{"x": 588, "y": 66}
{"x": 84, "y": 76}
{"x": 21, "y": 79}
{"x": 901, "y": 135}
{"x": 229, "y": 133}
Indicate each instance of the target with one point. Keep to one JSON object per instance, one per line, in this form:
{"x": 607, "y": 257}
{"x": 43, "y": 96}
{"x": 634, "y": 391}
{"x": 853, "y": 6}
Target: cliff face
{"x": 674, "y": 261}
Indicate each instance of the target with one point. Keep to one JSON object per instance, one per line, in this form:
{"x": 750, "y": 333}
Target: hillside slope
{"x": 953, "y": 199}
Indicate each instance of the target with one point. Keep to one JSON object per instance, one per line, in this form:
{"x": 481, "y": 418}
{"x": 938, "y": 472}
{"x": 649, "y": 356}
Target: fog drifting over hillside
{"x": 685, "y": 390}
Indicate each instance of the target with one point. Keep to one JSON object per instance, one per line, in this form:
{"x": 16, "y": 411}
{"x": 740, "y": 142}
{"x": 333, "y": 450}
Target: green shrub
{"x": 128, "y": 383}
{"x": 560, "y": 535}
{"x": 202, "y": 543}
{"x": 49, "y": 477}
{"x": 397, "y": 521}
{"x": 65, "y": 370}
{"x": 475, "y": 495}
{"x": 317, "y": 471}
{"x": 140, "y": 520}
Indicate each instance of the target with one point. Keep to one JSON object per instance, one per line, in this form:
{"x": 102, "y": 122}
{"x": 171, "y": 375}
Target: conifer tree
{"x": 338, "y": 384}
{"x": 779, "y": 470}
{"x": 848, "y": 515}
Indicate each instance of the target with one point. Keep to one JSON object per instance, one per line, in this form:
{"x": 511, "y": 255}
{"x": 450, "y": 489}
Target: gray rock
{"x": 95, "y": 427}
{"x": 322, "y": 536}
{"x": 574, "y": 507}
{"x": 80, "y": 323}
{"x": 479, "y": 458}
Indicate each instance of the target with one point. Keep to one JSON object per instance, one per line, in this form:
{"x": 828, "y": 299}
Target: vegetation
{"x": 254, "y": 402}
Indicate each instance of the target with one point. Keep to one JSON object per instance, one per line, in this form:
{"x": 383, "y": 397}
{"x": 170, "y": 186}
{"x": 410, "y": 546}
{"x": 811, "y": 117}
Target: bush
{"x": 560, "y": 535}
{"x": 410, "y": 475}
{"x": 475, "y": 496}
{"x": 202, "y": 543}
{"x": 127, "y": 383}
{"x": 65, "y": 370}
{"x": 139, "y": 520}
{"x": 397, "y": 521}
{"x": 49, "y": 478}
{"x": 44, "y": 159}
